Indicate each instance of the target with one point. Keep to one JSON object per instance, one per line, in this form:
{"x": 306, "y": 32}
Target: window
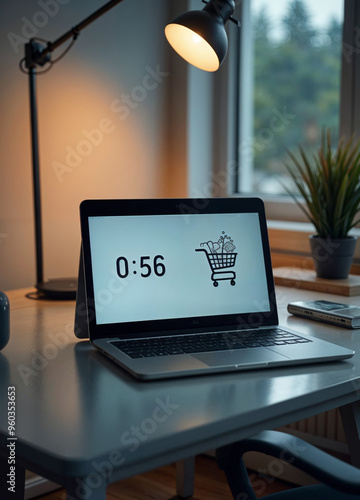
{"x": 278, "y": 98}
{"x": 293, "y": 73}
{"x": 241, "y": 119}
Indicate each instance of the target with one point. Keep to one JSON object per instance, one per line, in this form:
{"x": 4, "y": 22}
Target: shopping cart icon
{"x": 219, "y": 264}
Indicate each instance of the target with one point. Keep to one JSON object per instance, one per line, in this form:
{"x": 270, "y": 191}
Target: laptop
{"x": 178, "y": 287}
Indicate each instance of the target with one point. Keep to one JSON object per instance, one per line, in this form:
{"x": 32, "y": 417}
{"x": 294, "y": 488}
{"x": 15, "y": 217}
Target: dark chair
{"x": 340, "y": 481}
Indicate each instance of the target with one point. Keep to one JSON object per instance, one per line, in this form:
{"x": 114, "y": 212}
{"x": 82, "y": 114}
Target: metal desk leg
{"x": 350, "y": 416}
{"x": 12, "y": 480}
{"x": 185, "y": 477}
{"x": 87, "y": 488}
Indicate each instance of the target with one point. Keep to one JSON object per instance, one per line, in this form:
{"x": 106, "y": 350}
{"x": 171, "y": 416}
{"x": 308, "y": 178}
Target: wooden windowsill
{"x": 289, "y": 244}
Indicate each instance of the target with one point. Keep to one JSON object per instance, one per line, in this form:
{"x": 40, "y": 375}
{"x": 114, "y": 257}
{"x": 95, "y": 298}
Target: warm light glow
{"x": 192, "y": 47}
{"x": 196, "y": 38}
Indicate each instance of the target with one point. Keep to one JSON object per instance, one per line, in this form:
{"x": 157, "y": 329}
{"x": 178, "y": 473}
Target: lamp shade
{"x": 199, "y": 38}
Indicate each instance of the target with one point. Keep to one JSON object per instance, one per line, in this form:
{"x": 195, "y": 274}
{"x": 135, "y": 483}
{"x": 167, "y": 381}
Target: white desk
{"x": 79, "y": 415}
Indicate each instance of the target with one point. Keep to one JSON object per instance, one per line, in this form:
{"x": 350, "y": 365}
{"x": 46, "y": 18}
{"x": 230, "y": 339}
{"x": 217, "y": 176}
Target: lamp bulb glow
{"x": 196, "y": 38}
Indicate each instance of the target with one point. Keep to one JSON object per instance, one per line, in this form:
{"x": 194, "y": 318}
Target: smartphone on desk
{"x": 336, "y": 313}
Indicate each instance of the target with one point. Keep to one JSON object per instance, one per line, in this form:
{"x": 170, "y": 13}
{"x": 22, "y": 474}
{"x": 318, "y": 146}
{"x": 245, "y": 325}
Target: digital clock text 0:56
{"x": 146, "y": 266}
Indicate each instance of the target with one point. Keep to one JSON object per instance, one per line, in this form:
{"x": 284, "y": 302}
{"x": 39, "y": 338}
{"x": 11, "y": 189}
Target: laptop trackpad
{"x": 239, "y": 357}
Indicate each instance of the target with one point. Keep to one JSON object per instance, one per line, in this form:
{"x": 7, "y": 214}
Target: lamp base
{"x": 58, "y": 289}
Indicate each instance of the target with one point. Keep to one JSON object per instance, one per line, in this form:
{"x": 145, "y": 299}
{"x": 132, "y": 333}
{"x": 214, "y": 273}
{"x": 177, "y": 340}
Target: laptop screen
{"x": 153, "y": 268}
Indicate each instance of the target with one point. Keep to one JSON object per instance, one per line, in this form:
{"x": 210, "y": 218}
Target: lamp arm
{"x": 76, "y": 29}
{"x": 37, "y": 54}
{"x": 35, "y": 174}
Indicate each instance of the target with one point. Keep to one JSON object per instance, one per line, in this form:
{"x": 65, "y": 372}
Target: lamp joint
{"x": 36, "y": 54}
{"x": 221, "y": 8}
{"x": 75, "y": 31}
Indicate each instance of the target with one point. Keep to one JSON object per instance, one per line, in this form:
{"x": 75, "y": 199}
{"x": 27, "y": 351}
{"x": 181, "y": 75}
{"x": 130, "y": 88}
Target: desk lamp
{"x": 38, "y": 54}
{"x": 198, "y": 36}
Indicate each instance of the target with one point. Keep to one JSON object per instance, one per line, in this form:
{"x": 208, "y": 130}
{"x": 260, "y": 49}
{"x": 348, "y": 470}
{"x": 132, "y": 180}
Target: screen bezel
{"x": 173, "y": 206}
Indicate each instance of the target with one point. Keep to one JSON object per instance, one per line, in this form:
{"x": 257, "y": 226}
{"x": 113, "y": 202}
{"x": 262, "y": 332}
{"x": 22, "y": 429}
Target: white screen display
{"x": 148, "y": 267}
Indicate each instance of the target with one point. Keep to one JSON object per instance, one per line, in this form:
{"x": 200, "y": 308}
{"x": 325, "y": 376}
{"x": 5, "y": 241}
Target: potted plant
{"x": 329, "y": 182}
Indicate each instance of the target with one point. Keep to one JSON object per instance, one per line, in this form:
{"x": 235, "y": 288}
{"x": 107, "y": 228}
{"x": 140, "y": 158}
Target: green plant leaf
{"x": 329, "y": 183}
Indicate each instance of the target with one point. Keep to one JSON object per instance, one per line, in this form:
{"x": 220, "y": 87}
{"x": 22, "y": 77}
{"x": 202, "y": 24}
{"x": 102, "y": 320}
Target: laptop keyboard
{"x": 197, "y": 343}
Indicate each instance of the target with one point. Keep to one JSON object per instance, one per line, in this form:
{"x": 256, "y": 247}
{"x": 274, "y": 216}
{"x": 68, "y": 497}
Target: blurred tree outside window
{"x": 296, "y": 84}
